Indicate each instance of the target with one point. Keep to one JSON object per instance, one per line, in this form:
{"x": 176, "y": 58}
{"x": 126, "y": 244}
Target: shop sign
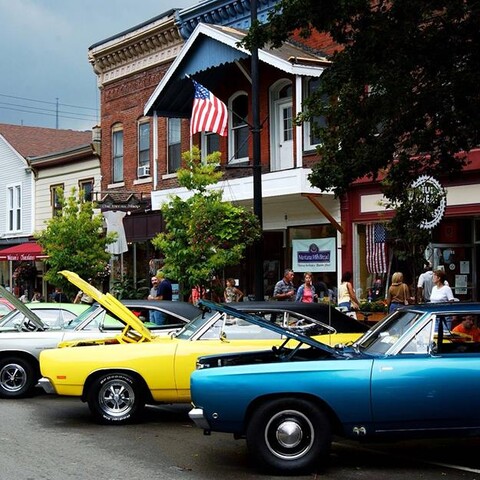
{"x": 314, "y": 255}
{"x": 432, "y": 193}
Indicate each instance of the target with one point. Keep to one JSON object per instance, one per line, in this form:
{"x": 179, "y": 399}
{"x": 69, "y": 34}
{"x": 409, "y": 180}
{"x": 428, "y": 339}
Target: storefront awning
{"x": 22, "y": 252}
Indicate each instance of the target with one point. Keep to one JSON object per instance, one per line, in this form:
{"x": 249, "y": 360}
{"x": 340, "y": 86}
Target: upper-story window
{"x": 311, "y": 135}
{"x": 143, "y": 149}
{"x": 56, "y": 193}
{"x": 117, "y": 154}
{"x": 238, "y": 128}
{"x": 85, "y": 188}
{"x": 14, "y": 206}
{"x": 174, "y": 144}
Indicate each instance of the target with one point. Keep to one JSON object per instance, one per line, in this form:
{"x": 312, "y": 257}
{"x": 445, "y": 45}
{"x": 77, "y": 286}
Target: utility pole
{"x": 257, "y": 166}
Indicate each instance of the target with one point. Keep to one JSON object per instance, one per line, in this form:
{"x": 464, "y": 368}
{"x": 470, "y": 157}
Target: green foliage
{"x": 377, "y": 306}
{"x": 126, "y": 288}
{"x": 203, "y": 233}
{"x": 74, "y": 240}
{"x": 403, "y": 86}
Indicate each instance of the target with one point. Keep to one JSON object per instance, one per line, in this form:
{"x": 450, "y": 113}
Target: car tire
{"x": 116, "y": 398}
{"x": 17, "y": 377}
{"x": 289, "y": 436}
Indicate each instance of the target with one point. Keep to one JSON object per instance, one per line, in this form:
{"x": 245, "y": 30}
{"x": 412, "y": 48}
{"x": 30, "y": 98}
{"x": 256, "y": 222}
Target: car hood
{"x": 33, "y": 317}
{"x": 114, "y": 306}
{"x": 256, "y": 320}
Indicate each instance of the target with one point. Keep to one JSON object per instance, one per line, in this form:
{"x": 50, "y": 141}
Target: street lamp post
{"x": 257, "y": 167}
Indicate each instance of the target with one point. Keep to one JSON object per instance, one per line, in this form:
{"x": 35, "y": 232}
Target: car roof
{"x": 323, "y": 312}
{"x": 183, "y": 309}
{"x": 257, "y": 320}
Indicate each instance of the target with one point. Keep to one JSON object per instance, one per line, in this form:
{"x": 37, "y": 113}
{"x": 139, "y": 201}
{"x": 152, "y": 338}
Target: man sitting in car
{"x": 468, "y": 329}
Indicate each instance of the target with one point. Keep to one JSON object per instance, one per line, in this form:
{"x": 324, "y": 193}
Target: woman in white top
{"x": 440, "y": 291}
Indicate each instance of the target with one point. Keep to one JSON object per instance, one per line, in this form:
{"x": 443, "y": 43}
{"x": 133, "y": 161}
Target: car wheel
{"x": 289, "y": 436}
{"x": 116, "y": 399}
{"x": 17, "y": 377}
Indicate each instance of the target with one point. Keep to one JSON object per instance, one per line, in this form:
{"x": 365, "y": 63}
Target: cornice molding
{"x": 234, "y": 13}
{"x": 150, "y": 45}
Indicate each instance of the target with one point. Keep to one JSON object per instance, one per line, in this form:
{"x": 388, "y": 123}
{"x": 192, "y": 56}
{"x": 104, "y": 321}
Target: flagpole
{"x": 257, "y": 167}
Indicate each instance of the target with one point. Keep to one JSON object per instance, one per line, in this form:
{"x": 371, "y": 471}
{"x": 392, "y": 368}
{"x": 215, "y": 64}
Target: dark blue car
{"x": 409, "y": 376}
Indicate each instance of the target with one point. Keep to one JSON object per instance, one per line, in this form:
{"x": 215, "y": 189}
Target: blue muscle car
{"x": 411, "y": 375}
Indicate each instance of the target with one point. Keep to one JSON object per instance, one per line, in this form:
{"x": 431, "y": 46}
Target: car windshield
{"x": 72, "y": 325}
{"x": 195, "y": 325}
{"x": 385, "y": 334}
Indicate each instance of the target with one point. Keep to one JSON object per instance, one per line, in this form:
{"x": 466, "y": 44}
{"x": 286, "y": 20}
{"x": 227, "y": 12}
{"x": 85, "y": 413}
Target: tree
{"x": 75, "y": 240}
{"x": 403, "y": 86}
{"x": 203, "y": 234}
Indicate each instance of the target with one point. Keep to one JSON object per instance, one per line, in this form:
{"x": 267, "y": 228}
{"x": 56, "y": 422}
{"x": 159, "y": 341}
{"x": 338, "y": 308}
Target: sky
{"x": 45, "y": 76}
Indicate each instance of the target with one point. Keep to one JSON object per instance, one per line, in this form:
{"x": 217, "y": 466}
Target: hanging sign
{"x": 432, "y": 193}
{"x": 314, "y": 255}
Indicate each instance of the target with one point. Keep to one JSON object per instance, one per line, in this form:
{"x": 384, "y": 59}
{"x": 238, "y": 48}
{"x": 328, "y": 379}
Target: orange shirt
{"x": 474, "y": 332}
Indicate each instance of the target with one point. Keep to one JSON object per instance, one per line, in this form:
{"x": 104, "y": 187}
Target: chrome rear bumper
{"x": 46, "y": 385}
{"x": 196, "y": 414}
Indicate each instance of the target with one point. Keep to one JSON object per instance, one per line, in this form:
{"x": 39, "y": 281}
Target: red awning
{"x": 23, "y": 252}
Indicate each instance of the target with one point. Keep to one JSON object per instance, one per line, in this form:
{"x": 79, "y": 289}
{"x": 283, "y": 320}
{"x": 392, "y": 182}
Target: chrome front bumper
{"x": 46, "y": 385}
{"x": 196, "y": 414}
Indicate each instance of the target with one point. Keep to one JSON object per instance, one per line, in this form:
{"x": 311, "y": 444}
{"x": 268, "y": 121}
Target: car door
{"x": 417, "y": 389}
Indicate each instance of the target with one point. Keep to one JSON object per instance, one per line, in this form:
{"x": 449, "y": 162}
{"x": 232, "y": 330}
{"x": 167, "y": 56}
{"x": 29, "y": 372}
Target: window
{"x": 311, "y": 134}
{"x": 85, "y": 188}
{"x": 56, "y": 194}
{"x": 210, "y": 143}
{"x": 174, "y": 144}
{"x": 239, "y": 131}
{"x": 14, "y": 202}
{"x": 117, "y": 152}
{"x": 143, "y": 149}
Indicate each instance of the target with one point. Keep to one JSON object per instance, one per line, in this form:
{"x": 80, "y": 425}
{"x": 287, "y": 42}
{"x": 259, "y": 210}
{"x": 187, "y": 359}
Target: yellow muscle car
{"x": 118, "y": 376}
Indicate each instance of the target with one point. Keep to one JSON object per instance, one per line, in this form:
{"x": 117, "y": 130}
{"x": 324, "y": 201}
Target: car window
{"x": 381, "y": 339}
{"x": 78, "y": 320}
{"x": 3, "y": 309}
{"x": 196, "y": 325}
{"x": 450, "y": 341}
{"x": 421, "y": 341}
{"x": 233, "y": 328}
{"x": 144, "y": 314}
{"x": 55, "y": 317}
{"x": 12, "y": 319}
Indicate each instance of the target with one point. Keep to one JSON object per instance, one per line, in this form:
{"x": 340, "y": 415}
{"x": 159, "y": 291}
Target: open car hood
{"x": 111, "y": 304}
{"x": 33, "y": 317}
{"x": 291, "y": 333}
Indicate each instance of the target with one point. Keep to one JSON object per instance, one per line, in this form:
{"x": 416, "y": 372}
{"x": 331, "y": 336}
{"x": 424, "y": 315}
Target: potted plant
{"x": 373, "y": 311}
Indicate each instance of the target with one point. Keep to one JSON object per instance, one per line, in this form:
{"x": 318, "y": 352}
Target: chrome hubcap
{"x": 13, "y": 377}
{"x": 116, "y": 398}
{"x": 289, "y": 434}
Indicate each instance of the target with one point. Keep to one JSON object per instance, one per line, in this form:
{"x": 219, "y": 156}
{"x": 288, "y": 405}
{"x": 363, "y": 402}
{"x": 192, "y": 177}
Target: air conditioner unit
{"x": 144, "y": 171}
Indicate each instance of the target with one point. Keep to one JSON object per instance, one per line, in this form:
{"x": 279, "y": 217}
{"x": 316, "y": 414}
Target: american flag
{"x": 376, "y": 248}
{"x": 209, "y": 114}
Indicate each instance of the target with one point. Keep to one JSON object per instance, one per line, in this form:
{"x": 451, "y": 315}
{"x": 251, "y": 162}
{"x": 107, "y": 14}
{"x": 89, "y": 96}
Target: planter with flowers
{"x": 373, "y": 311}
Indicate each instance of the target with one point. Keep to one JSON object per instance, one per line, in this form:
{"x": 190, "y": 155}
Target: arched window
{"x": 238, "y": 128}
